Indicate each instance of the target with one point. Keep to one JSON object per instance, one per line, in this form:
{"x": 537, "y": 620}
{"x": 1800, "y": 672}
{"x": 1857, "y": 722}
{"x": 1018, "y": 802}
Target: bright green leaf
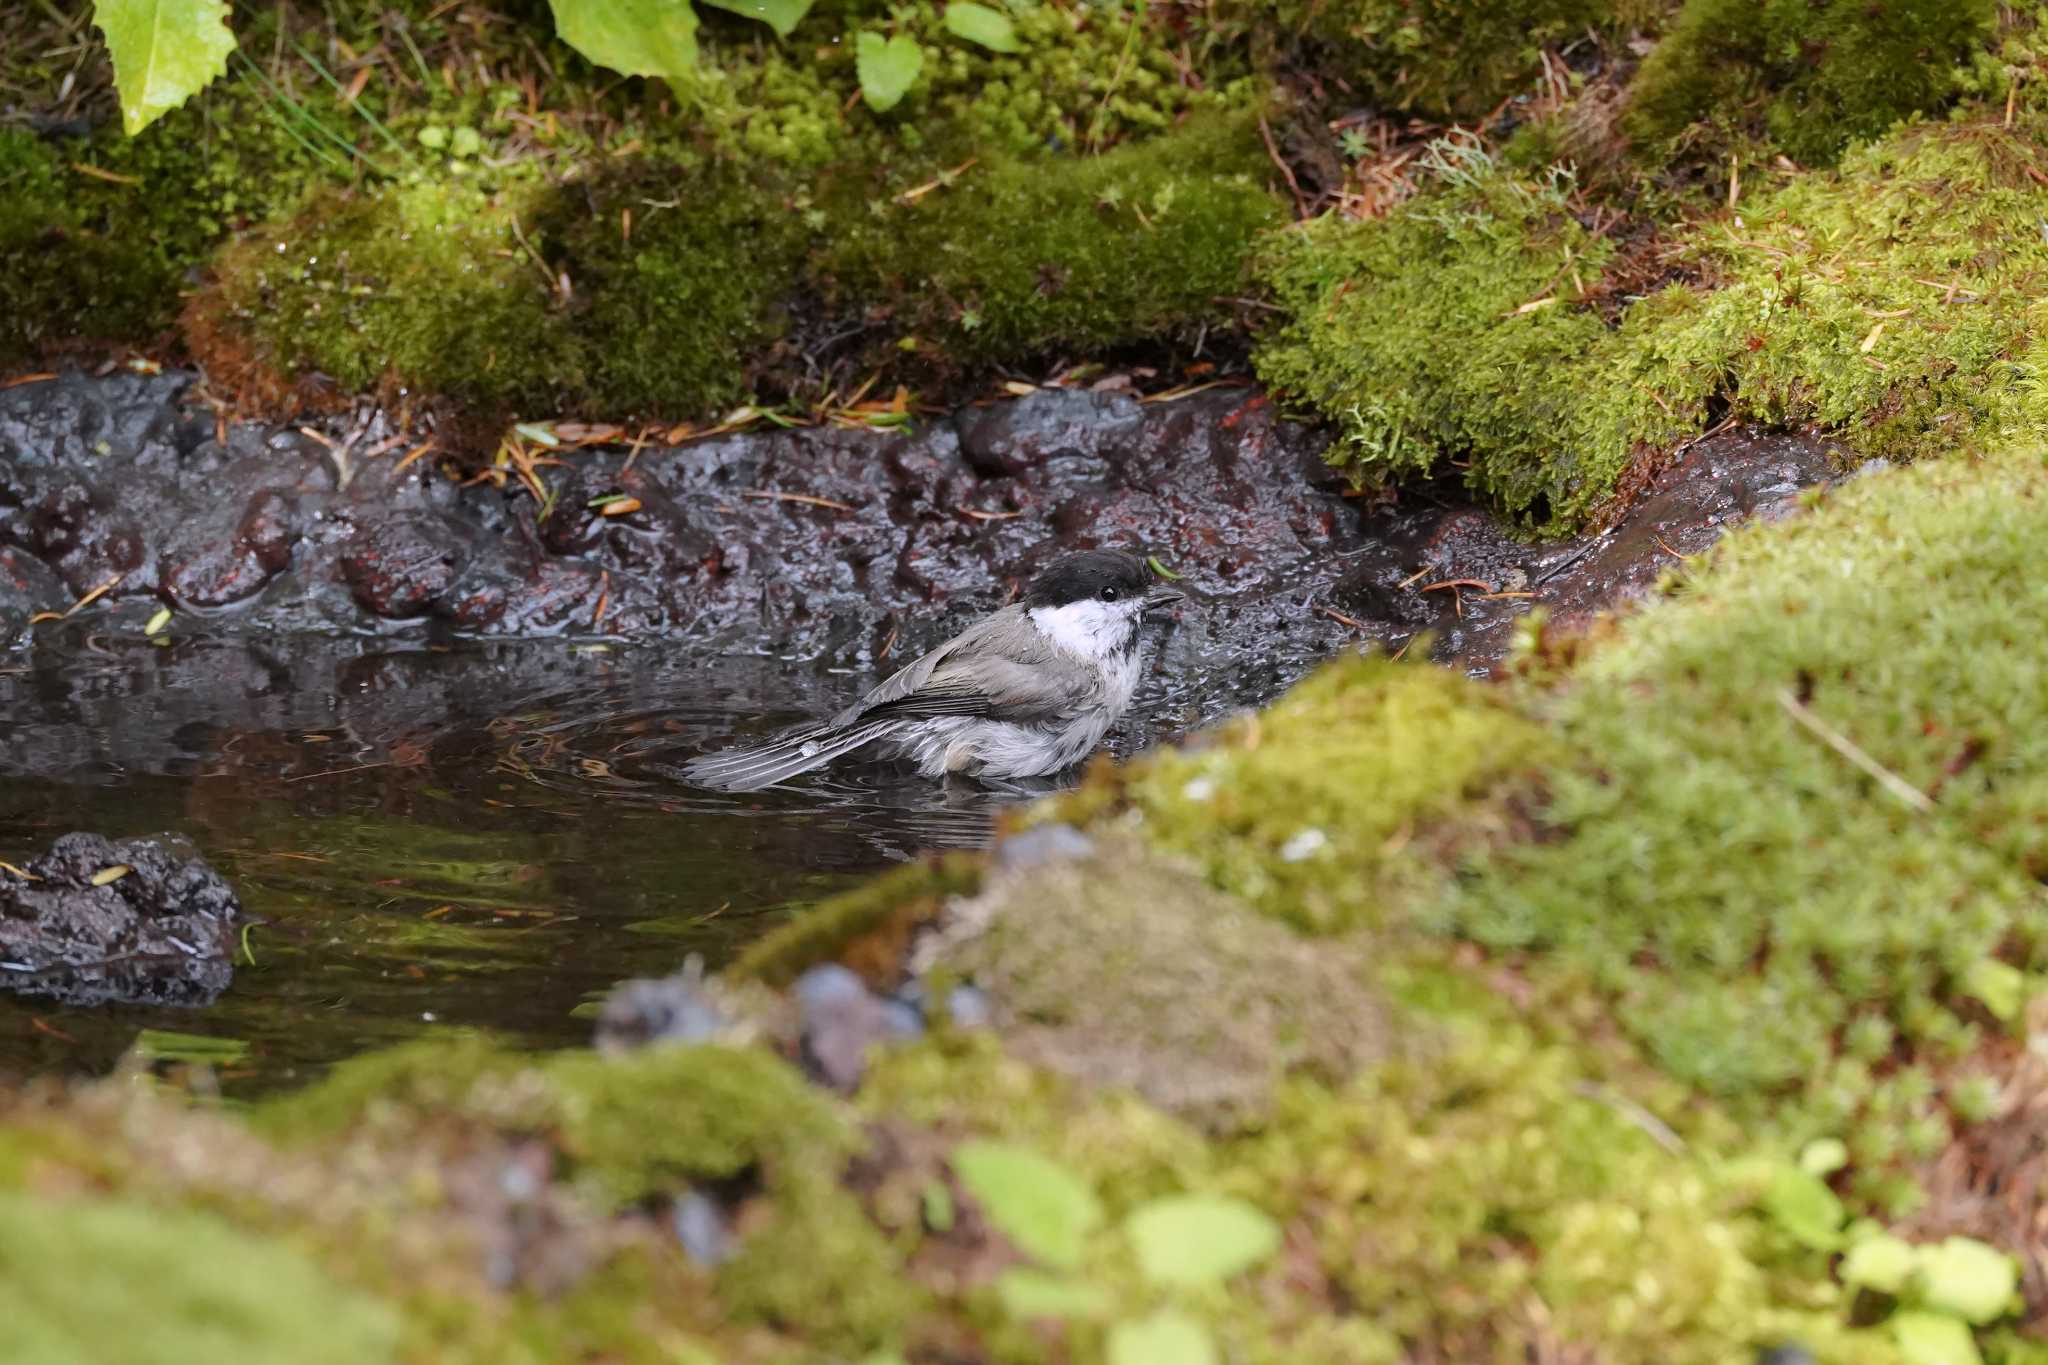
{"x": 1967, "y": 1278}
{"x": 1824, "y": 1156}
{"x": 1038, "y": 1204}
{"x": 1933, "y": 1339}
{"x": 165, "y": 52}
{"x": 2000, "y": 985}
{"x": 979, "y": 24}
{"x": 887, "y": 68}
{"x": 1162, "y": 1339}
{"x": 1881, "y": 1262}
{"x": 780, "y": 15}
{"x": 1199, "y": 1239}
{"x": 1028, "y": 1293}
{"x": 637, "y": 37}
{"x": 158, "y": 621}
{"x": 1801, "y": 1203}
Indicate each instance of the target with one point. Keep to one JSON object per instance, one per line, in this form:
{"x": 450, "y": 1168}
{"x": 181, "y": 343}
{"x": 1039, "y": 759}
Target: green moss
{"x": 429, "y": 284}
{"x": 1442, "y": 1199}
{"x": 1272, "y": 812}
{"x": 869, "y": 925}
{"x": 1453, "y": 59}
{"x": 1447, "y": 332}
{"x": 1024, "y": 255}
{"x": 1824, "y": 73}
{"x": 85, "y": 1281}
{"x": 1748, "y": 894}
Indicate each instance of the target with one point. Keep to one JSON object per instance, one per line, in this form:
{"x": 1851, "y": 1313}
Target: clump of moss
{"x": 1447, "y": 331}
{"x": 1309, "y": 811}
{"x": 1453, "y": 59}
{"x": 107, "y": 1279}
{"x": 1824, "y": 73}
{"x": 1776, "y": 925}
{"x": 1030, "y": 254}
{"x": 1441, "y": 1199}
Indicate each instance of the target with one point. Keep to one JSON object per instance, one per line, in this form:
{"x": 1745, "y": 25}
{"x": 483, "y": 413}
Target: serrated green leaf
{"x": 1933, "y": 1339}
{"x": 980, "y": 24}
{"x": 1028, "y": 1293}
{"x": 636, "y": 37}
{"x": 1199, "y": 1239}
{"x": 1965, "y": 1277}
{"x": 888, "y": 68}
{"x": 1163, "y": 1339}
{"x": 1038, "y": 1204}
{"x": 2000, "y": 985}
{"x": 1801, "y": 1203}
{"x": 1824, "y": 1156}
{"x": 165, "y": 52}
{"x": 780, "y": 15}
{"x": 1881, "y": 1262}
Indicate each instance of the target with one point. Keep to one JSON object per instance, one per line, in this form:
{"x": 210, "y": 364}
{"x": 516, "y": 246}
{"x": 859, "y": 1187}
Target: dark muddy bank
{"x": 850, "y": 548}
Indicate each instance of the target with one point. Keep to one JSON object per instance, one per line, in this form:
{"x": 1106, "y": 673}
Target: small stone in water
{"x": 700, "y": 1227}
{"x": 1045, "y": 844}
{"x": 670, "y": 1009}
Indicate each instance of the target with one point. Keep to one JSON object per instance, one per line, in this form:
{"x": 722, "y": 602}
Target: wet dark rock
{"x": 670, "y": 1009}
{"x": 855, "y": 548}
{"x": 80, "y": 930}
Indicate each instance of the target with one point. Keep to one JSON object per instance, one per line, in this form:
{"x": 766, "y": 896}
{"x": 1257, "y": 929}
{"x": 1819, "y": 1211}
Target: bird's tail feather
{"x": 745, "y": 770}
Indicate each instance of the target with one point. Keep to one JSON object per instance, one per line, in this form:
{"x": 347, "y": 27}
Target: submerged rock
{"x": 96, "y": 921}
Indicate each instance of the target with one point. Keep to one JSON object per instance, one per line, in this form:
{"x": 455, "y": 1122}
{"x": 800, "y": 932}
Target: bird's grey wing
{"x": 967, "y": 676}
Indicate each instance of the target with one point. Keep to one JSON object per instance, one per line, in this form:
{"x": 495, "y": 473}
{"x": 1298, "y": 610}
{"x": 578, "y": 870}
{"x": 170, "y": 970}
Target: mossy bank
{"x": 1542, "y": 243}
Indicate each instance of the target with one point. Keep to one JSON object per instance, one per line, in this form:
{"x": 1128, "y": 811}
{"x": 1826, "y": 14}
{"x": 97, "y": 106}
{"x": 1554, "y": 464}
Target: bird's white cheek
{"x": 1089, "y": 628}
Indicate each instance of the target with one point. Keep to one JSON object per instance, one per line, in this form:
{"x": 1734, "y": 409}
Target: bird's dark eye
{"x": 1108, "y": 594}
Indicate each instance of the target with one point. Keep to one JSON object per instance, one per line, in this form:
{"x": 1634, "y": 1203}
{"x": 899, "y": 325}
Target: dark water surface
{"x": 474, "y": 835}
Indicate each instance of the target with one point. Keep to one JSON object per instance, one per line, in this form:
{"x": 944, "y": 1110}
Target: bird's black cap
{"x": 1106, "y": 575}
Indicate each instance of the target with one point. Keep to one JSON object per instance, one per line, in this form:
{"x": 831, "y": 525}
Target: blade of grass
{"x": 404, "y": 153}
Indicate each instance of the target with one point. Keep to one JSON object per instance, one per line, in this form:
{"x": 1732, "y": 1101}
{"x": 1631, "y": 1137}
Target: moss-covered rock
{"x": 1124, "y": 969}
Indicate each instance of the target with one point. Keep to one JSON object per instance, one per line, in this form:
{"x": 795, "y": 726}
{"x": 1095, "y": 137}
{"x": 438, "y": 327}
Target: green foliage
{"x": 1192, "y": 1240}
{"x": 1163, "y": 1338}
{"x": 1824, "y": 73}
{"x": 1034, "y": 1202}
{"x": 991, "y": 28}
{"x": 888, "y": 68}
{"x": 164, "y": 51}
{"x": 97, "y": 1280}
{"x": 637, "y": 37}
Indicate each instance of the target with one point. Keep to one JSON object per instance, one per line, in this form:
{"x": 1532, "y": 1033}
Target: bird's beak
{"x": 1161, "y": 598}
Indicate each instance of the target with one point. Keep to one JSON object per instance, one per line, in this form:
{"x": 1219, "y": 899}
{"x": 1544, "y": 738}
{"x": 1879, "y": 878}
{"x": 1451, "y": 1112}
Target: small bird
{"x": 1024, "y": 692}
